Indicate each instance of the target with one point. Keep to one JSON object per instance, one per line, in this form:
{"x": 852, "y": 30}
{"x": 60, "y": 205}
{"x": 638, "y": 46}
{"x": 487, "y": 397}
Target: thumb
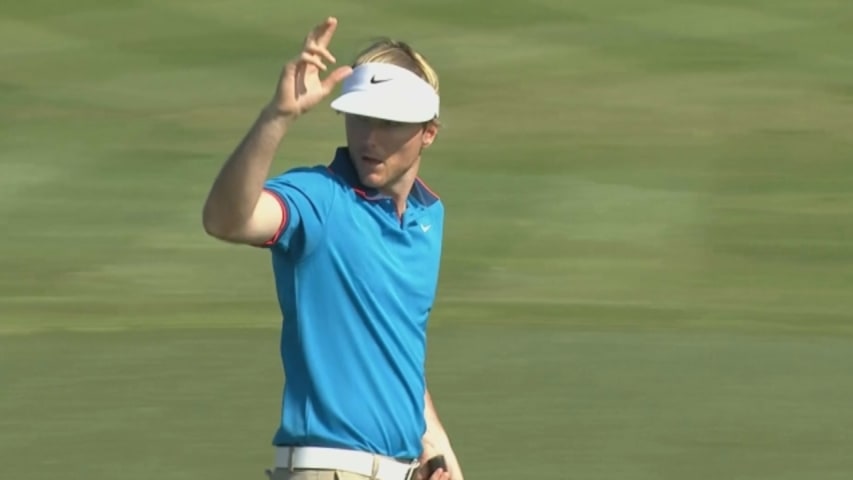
{"x": 335, "y": 77}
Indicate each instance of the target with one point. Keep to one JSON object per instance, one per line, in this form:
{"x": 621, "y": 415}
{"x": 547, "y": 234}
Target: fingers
{"x": 300, "y": 87}
{"x": 322, "y": 52}
{"x": 315, "y": 49}
{"x": 312, "y": 56}
{"x": 310, "y": 59}
{"x": 335, "y": 77}
{"x": 326, "y": 34}
{"x": 322, "y": 33}
{"x": 440, "y": 475}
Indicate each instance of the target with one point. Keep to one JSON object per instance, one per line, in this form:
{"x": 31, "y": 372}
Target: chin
{"x": 372, "y": 181}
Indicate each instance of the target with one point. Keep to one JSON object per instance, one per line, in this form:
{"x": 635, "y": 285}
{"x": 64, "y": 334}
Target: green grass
{"x": 649, "y": 252}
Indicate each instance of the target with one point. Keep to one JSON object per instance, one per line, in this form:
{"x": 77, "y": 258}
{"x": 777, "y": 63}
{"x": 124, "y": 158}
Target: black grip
{"x": 434, "y": 464}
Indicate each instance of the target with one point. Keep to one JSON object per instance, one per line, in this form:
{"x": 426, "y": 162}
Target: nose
{"x": 371, "y": 133}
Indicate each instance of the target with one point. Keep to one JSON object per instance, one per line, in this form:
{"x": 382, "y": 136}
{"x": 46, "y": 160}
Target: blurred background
{"x": 648, "y": 268}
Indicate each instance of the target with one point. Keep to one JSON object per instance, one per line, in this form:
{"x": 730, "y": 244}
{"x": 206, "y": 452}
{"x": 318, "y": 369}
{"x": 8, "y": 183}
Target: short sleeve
{"x": 306, "y": 196}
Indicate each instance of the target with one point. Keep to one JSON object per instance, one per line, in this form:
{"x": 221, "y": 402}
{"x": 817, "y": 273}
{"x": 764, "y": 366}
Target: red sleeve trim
{"x": 284, "y": 217}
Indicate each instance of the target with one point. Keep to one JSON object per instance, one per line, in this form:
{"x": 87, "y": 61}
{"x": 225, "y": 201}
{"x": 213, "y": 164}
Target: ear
{"x": 428, "y": 134}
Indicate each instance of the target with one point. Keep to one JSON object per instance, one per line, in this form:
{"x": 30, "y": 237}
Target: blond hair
{"x": 401, "y": 54}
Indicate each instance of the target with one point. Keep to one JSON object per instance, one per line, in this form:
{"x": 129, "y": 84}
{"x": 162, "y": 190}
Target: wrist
{"x": 271, "y": 114}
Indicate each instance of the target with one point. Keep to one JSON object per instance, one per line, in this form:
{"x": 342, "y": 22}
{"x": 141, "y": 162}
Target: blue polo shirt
{"x": 356, "y": 284}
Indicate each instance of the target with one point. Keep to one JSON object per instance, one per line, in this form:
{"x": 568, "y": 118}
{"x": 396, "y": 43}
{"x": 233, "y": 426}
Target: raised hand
{"x": 300, "y": 87}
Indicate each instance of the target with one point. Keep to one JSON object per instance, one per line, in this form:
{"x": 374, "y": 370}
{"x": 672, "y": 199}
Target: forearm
{"x": 238, "y": 186}
{"x": 437, "y": 439}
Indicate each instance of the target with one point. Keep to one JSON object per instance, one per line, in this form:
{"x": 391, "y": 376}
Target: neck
{"x": 399, "y": 191}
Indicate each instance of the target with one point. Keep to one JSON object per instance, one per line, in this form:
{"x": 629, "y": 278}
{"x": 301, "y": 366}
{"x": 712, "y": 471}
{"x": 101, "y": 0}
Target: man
{"x": 355, "y": 249}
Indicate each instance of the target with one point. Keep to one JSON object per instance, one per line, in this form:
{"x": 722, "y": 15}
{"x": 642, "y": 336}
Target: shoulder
{"x": 437, "y": 209}
{"x": 315, "y": 182}
{"x": 310, "y": 192}
{"x": 429, "y": 199}
{"x": 307, "y": 176}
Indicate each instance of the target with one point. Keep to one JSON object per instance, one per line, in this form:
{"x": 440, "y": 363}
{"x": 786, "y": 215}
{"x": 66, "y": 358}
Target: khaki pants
{"x": 286, "y": 474}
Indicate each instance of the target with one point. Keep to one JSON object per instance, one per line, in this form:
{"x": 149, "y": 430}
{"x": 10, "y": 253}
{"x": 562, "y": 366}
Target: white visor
{"x": 389, "y": 92}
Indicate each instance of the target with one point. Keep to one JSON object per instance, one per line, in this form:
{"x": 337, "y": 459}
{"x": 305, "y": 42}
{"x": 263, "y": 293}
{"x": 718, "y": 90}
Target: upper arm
{"x": 301, "y": 200}
{"x": 268, "y": 217}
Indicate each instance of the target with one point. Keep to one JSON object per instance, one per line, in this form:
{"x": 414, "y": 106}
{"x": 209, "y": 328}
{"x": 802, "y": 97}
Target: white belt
{"x": 361, "y": 463}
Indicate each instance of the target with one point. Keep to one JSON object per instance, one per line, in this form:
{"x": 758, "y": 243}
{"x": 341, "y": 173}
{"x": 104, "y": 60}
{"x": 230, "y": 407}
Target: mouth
{"x": 370, "y": 160}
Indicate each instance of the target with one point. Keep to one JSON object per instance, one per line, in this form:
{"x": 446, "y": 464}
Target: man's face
{"x": 383, "y": 151}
